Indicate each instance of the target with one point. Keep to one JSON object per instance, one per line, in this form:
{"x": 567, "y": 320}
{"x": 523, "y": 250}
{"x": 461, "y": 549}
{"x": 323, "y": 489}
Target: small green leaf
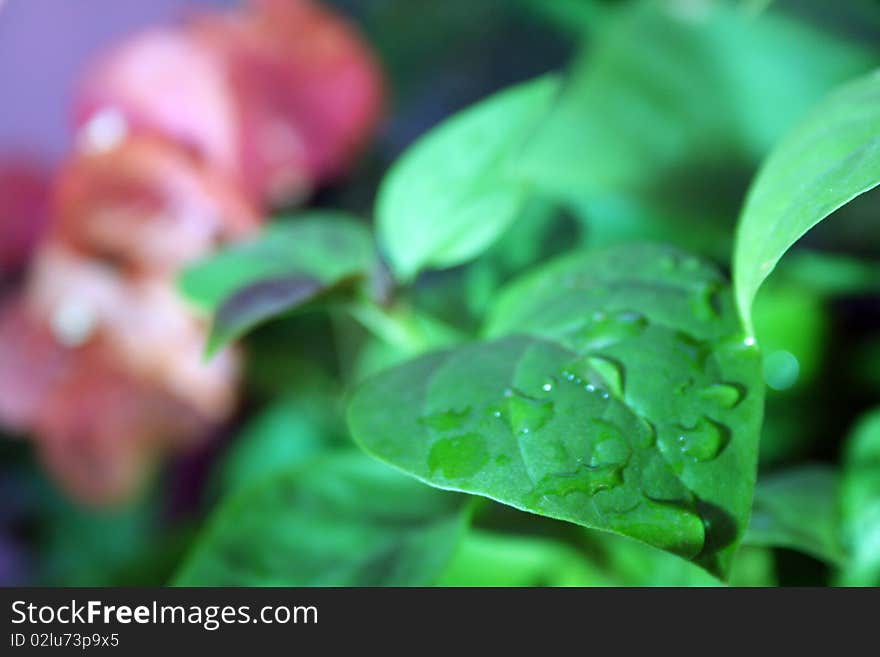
{"x": 633, "y": 405}
{"x": 798, "y": 509}
{"x": 450, "y": 195}
{"x": 345, "y": 520}
{"x": 293, "y": 262}
{"x": 860, "y": 502}
{"x": 831, "y": 157}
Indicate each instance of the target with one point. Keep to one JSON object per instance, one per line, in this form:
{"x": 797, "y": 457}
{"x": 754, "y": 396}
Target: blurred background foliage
{"x": 674, "y": 116}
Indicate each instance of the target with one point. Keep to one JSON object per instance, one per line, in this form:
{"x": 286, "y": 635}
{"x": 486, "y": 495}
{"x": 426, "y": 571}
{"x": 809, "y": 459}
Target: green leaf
{"x": 798, "y": 509}
{"x": 633, "y": 405}
{"x": 488, "y": 559}
{"x": 291, "y": 431}
{"x": 450, "y": 195}
{"x": 664, "y": 87}
{"x": 831, "y": 157}
{"x": 635, "y": 564}
{"x": 345, "y": 520}
{"x": 291, "y": 263}
{"x": 830, "y": 274}
{"x": 860, "y": 503}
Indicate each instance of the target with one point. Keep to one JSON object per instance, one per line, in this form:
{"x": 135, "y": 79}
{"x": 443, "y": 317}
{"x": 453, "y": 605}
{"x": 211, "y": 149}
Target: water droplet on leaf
{"x": 459, "y": 456}
{"x": 450, "y": 420}
{"x": 525, "y": 414}
{"x": 606, "y": 330}
{"x": 704, "y": 441}
{"x": 725, "y": 395}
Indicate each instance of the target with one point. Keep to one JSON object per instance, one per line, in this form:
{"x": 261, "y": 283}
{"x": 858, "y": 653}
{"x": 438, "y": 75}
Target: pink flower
{"x": 101, "y": 431}
{"x": 147, "y": 206}
{"x": 23, "y": 210}
{"x": 279, "y": 95}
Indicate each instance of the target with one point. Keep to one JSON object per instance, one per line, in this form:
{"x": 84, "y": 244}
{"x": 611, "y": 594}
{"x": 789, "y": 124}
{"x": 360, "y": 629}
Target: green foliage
{"x": 618, "y": 387}
{"x": 290, "y": 432}
{"x": 798, "y": 509}
{"x": 344, "y": 520}
{"x": 635, "y": 407}
{"x": 487, "y": 559}
{"x": 860, "y": 501}
{"x": 293, "y": 262}
{"x": 831, "y": 157}
{"x": 451, "y": 194}
{"x": 663, "y": 88}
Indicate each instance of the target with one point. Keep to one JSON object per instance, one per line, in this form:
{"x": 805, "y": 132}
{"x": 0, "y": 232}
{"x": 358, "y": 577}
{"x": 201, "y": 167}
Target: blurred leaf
{"x": 668, "y": 110}
{"x": 635, "y": 408}
{"x": 636, "y": 564}
{"x": 792, "y": 320}
{"x": 831, "y": 157}
{"x": 663, "y": 86}
{"x": 291, "y": 263}
{"x": 289, "y": 432}
{"x": 450, "y": 196}
{"x": 830, "y": 274}
{"x": 798, "y": 509}
{"x": 344, "y": 520}
{"x": 576, "y": 16}
{"x": 860, "y": 500}
{"x": 89, "y": 547}
{"x": 489, "y": 559}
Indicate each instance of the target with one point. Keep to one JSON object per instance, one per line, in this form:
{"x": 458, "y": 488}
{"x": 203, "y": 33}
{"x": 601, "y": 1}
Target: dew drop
{"x": 781, "y": 369}
{"x": 611, "y": 372}
{"x": 458, "y": 456}
{"x": 725, "y": 395}
{"x": 585, "y": 479}
{"x": 704, "y": 441}
{"x": 609, "y": 447}
{"x": 706, "y": 302}
{"x": 450, "y": 420}
{"x": 604, "y": 330}
{"x": 598, "y": 373}
{"x": 526, "y": 415}
{"x": 668, "y": 526}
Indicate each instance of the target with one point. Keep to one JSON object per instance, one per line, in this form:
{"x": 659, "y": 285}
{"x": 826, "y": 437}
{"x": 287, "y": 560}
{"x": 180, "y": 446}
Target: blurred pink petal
{"x": 142, "y": 321}
{"x": 308, "y": 88}
{"x": 101, "y": 431}
{"x": 23, "y": 210}
{"x": 279, "y": 95}
{"x": 147, "y": 206}
{"x": 31, "y": 361}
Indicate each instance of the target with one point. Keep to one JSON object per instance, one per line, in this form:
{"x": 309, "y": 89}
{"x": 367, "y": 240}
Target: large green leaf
{"x": 798, "y": 509}
{"x": 665, "y": 87}
{"x": 831, "y": 157}
{"x": 343, "y": 521}
{"x": 633, "y": 405}
{"x": 291, "y": 263}
{"x": 450, "y": 195}
{"x": 860, "y": 502}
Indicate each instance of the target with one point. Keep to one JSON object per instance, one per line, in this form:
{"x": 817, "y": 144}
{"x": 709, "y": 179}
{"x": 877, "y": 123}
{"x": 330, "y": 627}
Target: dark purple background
{"x": 44, "y": 45}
